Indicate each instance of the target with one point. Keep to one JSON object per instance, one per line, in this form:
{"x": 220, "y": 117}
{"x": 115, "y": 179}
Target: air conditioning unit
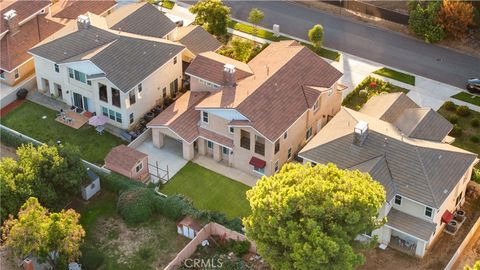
{"x": 459, "y": 215}
{"x": 452, "y": 226}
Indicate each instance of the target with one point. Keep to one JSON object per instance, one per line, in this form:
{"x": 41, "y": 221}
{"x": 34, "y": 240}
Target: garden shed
{"x": 128, "y": 162}
{"x": 91, "y": 185}
{"x": 188, "y": 227}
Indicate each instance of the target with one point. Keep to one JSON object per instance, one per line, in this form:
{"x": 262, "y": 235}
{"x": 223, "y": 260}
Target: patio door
{"x": 77, "y": 100}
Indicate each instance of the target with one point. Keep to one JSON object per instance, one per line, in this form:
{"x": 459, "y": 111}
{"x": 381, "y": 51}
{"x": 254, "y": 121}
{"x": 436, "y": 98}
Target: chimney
{"x": 83, "y": 22}
{"x": 229, "y": 75}
{"x": 12, "y": 21}
{"x": 27, "y": 264}
{"x": 360, "y": 133}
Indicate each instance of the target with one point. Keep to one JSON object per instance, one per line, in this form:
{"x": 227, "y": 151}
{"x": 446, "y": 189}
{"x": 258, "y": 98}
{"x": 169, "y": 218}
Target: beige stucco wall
{"x": 24, "y": 70}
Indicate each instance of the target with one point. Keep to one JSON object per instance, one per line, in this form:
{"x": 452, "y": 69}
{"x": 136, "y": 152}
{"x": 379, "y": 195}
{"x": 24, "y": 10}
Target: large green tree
{"x": 255, "y": 17}
{"x": 36, "y": 231}
{"x": 315, "y": 35}
{"x": 213, "y": 15}
{"x": 241, "y": 49}
{"x": 50, "y": 173}
{"x": 424, "y": 22}
{"x": 307, "y": 217}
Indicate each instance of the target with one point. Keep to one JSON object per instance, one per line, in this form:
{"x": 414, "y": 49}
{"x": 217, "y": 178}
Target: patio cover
{"x": 447, "y": 216}
{"x": 257, "y": 162}
{"x": 414, "y": 226}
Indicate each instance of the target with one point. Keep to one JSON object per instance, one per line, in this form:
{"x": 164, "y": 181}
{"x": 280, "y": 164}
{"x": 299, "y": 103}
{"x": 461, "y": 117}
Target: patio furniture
{"x": 100, "y": 129}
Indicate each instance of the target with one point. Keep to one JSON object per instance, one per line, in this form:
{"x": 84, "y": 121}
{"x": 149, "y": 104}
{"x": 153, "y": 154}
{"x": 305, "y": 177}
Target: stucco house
{"x": 255, "y": 116}
{"x": 405, "y": 148}
{"x": 107, "y": 72}
{"x": 26, "y": 23}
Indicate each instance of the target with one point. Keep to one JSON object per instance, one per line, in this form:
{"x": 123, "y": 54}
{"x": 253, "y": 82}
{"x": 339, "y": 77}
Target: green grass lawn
{"x": 467, "y": 97}
{"x": 355, "y": 101}
{"x": 209, "y": 190}
{"x": 262, "y": 33}
{"x": 468, "y": 130}
{"x": 396, "y": 75}
{"x": 27, "y": 119}
{"x": 110, "y": 243}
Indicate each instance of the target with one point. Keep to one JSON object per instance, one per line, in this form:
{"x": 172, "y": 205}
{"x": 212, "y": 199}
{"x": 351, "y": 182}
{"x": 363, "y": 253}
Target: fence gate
{"x": 158, "y": 174}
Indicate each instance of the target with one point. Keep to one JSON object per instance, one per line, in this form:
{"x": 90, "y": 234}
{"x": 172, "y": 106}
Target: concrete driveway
{"x": 169, "y": 156}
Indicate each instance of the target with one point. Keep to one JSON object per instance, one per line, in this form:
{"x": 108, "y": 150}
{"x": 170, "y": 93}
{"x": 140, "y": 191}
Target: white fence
{"x": 462, "y": 246}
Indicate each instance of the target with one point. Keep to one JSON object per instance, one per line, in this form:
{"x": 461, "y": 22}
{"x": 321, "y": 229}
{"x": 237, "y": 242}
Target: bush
{"x": 363, "y": 93}
{"x": 476, "y": 175}
{"x": 463, "y": 110}
{"x": 456, "y": 131}
{"x": 453, "y": 118}
{"x": 475, "y": 122}
{"x": 117, "y": 183}
{"x": 136, "y": 205}
{"x": 240, "y": 248}
{"x": 91, "y": 259}
{"x": 449, "y": 106}
{"x": 174, "y": 207}
{"x": 475, "y": 138}
{"x": 423, "y": 20}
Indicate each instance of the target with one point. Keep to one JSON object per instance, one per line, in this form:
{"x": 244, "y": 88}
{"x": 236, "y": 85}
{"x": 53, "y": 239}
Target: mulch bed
{"x": 10, "y": 107}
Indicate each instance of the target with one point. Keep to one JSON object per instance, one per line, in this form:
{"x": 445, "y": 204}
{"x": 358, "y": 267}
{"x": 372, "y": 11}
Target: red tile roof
{"x": 124, "y": 156}
{"x": 71, "y": 9}
{"x": 23, "y": 8}
{"x": 215, "y": 137}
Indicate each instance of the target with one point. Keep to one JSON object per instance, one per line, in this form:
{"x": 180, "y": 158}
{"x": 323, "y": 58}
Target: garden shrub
{"x": 117, "y": 183}
{"x": 456, "y": 131}
{"x": 476, "y": 175}
{"x": 136, "y": 205}
{"x": 449, "y": 106}
{"x": 174, "y": 207}
{"x": 475, "y": 122}
{"x": 240, "y": 248}
{"x": 463, "y": 110}
{"x": 12, "y": 140}
{"x": 453, "y": 118}
{"x": 91, "y": 259}
{"x": 475, "y": 138}
{"x": 363, "y": 93}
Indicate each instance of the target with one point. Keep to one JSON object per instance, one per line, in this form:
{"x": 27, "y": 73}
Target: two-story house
{"x": 255, "y": 116}
{"x": 403, "y": 147}
{"x": 108, "y": 72}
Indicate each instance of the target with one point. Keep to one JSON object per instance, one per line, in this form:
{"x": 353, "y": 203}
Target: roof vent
{"x": 12, "y": 21}
{"x": 83, "y": 22}
{"x": 229, "y": 75}
{"x": 360, "y": 133}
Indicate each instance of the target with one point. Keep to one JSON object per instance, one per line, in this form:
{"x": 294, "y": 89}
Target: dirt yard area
{"x": 6, "y": 151}
{"x": 470, "y": 254}
{"x": 437, "y": 256}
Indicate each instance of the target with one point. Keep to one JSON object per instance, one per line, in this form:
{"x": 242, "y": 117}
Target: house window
{"x": 285, "y": 135}
{"x": 111, "y": 114}
{"x": 225, "y": 150}
{"x": 115, "y": 97}
{"x": 16, "y": 74}
{"x": 428, "y": 211}
{"x": 330, "y": 91}
{"x": 131, "y": 118}
{"x": 175, "y": 60}
{"x": 89, "y": 82}
{"x": 140, "y": 87}
{"x": 276, "y": 166}
{"x": 245, "y": 139}
{"x": 259, "y": 145}
{"x": 205, "y": 117}
{"x": 230, "y": 129}
{"x": 259, "y": 170}
{"x": 70, "y": 73}
{"x": 289, "y": 153}
{"x": 102, "y": 92}
{"x": 398, "y": 200}
{"x": 2, "y": 74}
{"x": 459, "y": 198}
{"x": 308, "y": 135}
{"x": 164, "y": 92}
{"x": 105, "y": 111}
{"x": 210, "y": 144}
{"x": 315, "y": 106}
{"x": 118, "y": 117}
{"x": 132, "y": 97}
{"x": 57, "y": 68}
{"x": 277, "y": 146}
{"x": 139, "y": 167}
{"x": 80, "y": 76}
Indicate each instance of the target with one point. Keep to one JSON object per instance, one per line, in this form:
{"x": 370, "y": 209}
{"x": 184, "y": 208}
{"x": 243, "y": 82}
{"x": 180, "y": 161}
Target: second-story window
{"x": 205, "y": 117}
{"x": 285, "y": 135}
{"x": 102, "y": 92}
{"x": 132, "y": 97}
{"x": 245, "y": 139}
{"x": 175, "y": 60}
{"x": 289, "y": 153}
{"x": 428, "y": 211}
{"x": 315, "y": 106}
{"x": 116, "y": 97}
{"x": 70, "y": 73}
{"x": 259, "y": 145}
{"x": 398, "y": 200}
{"x": 308, "y": 134}
{"x": 277, "y": 146}
{"x": 140, "y": 87}
{"x": 57, "y": 68}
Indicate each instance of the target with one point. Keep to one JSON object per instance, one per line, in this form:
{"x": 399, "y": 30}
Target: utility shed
{"x": 128, "y": 162}
{"x": 91, "y": 186}
{"x": 188, "y": 227}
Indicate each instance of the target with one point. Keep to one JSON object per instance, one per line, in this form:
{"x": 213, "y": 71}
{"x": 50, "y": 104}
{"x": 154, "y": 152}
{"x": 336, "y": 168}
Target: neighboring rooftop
{"x": 24, "y": 9}
{"x": 71, "y": 9}
{"x": 197, "y": 39}
{"x": 141, "y": 19}
{"x": 422, "y": 170}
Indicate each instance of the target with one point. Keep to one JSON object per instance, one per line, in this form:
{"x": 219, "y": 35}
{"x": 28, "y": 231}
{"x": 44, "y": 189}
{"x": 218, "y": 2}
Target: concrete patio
{"x": 221, "y": 168}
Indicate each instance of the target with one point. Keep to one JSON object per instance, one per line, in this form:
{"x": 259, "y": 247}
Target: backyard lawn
{"x": 111, "y": 244}
{"x": 27, "y": 119}
{"x": 209, "y": 190}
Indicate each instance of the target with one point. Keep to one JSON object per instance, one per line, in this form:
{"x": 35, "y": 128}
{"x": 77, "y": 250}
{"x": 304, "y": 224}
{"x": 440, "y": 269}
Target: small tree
{"x": 306, "y": 217}
{"x": 476, "y": 266}
{"x": 456, "y": 17}
{"x": 213, "y": 15}
{"x": 423, "y": 20}
{"x": 315, "y": 35}
{"x": 44, "y": 234}
{"x": 241, "y": 49}
{"x": 255, "y": 17}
